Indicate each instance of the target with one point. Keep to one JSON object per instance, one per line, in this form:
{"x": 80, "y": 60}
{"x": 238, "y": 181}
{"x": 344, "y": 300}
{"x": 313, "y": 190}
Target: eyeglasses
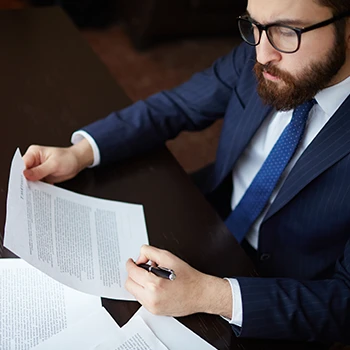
{"x": 282, "y": 37}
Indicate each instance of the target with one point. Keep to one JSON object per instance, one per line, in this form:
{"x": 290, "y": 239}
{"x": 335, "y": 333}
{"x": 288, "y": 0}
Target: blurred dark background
{"x": 151, "y": 45}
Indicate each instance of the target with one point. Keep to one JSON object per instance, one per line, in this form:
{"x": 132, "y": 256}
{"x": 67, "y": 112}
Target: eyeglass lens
{"x": 281, "y": 37}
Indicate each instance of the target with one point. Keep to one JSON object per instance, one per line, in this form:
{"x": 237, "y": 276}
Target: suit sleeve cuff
{"x": 81, "y": 134}
{"x": 237, "y": 309}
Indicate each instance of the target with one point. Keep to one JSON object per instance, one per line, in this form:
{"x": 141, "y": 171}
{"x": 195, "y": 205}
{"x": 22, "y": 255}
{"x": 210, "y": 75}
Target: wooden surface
{"x": 51, "y": 84}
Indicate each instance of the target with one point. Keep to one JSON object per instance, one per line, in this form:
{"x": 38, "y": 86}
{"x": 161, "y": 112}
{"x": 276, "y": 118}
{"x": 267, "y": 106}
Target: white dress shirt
{"x": 251, "y": 160}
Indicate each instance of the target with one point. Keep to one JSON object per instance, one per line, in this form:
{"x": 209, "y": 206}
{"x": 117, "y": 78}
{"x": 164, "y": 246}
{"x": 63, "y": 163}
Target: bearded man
{"x": 281, "y": 179}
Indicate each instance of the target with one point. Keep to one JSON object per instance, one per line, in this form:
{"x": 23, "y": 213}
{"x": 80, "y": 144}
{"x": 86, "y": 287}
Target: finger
{"x": 154, "y": 254}
{"x": 135, "y": 289}
{"x": 152, "y": 263}
{"x": 31, "y": 159}
{"x": 39, "y": 172}
{"x": 138, "y": 274}
{"x": 51, "y": 179}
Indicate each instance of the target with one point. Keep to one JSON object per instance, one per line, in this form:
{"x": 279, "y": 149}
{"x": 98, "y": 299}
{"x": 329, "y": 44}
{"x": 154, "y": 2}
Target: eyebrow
{"x": 286, "y": 21}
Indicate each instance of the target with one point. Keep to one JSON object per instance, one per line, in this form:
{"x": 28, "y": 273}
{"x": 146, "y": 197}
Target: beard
{"x": 297, "y": 90}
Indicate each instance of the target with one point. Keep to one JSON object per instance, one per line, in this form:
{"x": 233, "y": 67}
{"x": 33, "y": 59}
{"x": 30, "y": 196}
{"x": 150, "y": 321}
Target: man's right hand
{"x": 53, "y": 164}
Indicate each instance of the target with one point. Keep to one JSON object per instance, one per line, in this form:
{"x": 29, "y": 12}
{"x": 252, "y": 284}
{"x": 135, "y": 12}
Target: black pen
{"x": 159, "y": 271}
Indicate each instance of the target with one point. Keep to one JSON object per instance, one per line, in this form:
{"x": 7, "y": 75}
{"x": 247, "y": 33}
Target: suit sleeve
{"x": 280, "y": 308}
{"x": 191, "y": 106}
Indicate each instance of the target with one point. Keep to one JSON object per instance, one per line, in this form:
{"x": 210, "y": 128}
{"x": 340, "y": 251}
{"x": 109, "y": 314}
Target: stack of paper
{"x": 144, "y": 331}
{"x": 84, "y": 243}
{"x": 35, "y": 307}
{"x": 95, "y": 333}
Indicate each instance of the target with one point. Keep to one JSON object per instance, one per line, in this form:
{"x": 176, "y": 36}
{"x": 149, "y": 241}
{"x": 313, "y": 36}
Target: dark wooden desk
{"x": 51, "y": 84}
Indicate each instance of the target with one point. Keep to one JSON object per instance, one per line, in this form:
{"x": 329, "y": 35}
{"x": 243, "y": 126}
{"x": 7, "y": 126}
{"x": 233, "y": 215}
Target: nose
{"x": 265, "y": 52}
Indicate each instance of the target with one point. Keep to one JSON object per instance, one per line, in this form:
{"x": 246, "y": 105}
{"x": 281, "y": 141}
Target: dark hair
{"x": 337, "y": 7}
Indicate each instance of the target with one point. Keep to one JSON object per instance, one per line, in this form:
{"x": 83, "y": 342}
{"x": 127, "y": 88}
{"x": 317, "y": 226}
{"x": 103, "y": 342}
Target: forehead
{"x": 305, "y": 12}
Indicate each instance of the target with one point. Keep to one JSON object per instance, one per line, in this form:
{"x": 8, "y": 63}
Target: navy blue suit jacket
{"x": 305, "y": 289}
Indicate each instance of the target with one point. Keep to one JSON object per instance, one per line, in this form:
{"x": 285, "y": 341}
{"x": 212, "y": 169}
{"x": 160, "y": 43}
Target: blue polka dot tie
{"x": 257, "y": 195}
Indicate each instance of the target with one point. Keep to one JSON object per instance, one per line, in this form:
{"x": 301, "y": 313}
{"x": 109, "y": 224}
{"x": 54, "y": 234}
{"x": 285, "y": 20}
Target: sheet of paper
{"x": 34, "y": 307}
{"x": 81, "y": 241}
{"x": 85, "y": 334}
{"x": 173, "y": 334}
{"x": 135, "y": 335}
{"x": 100, "y": 332}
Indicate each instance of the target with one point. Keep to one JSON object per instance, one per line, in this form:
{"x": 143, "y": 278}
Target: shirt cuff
{"x": 81, "y": 134}
{"x": 237, "y": 309}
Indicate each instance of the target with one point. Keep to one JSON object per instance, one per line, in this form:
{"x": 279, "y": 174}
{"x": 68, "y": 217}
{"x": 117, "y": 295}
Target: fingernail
{"x": 28, "y": 172}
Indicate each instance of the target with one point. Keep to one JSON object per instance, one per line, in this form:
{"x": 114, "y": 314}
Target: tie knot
{"x": 305, "y": 108}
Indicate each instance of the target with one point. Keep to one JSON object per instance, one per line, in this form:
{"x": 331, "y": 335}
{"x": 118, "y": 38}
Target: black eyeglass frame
{"x": 298, "y": 31}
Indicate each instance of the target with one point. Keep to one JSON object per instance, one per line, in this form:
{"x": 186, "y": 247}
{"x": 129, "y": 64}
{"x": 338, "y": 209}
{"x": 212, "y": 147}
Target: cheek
{"x": 294, "y": 65}
{"x": 317, "y": 44}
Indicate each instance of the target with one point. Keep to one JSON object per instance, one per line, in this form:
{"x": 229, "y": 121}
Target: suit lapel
{"x": 328, "y": 147}
{"x": 239, "y": 130}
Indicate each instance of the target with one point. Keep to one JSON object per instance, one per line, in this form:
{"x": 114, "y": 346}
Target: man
{"x": 284, "y": 146}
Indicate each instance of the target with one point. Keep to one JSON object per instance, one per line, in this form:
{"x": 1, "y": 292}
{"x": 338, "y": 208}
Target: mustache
{"x": 269, "y": 68}
{"x": 273, "y": 70}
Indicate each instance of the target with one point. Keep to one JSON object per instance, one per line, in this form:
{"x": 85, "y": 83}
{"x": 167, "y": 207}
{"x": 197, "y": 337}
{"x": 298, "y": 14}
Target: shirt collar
{"x": 331, "y": 98}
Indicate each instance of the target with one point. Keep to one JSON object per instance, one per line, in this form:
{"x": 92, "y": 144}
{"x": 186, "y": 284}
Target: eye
{"x": 283, "y": 31}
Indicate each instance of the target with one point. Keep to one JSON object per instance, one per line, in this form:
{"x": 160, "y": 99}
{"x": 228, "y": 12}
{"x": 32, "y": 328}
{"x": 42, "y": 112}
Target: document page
{"x": 81, "y": 241}
{"x": 100, "y": 332}
{"x": 135, "y": 335}
{"x": 85, "y": 334}
{"x": 173, "y": 334}
{"x": 34, "y": 307}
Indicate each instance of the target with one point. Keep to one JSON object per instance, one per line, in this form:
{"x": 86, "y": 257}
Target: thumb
{"x": 29, "y": 159}
{"x": 39, "y": 172}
